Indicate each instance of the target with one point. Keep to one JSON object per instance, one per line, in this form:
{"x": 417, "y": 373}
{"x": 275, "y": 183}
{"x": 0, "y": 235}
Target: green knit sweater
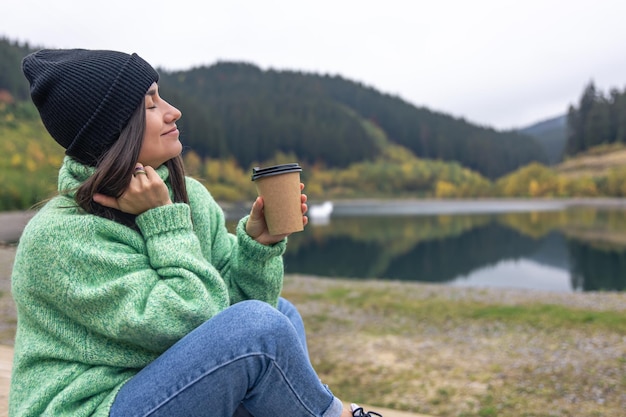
{"x": 97, "y": 301}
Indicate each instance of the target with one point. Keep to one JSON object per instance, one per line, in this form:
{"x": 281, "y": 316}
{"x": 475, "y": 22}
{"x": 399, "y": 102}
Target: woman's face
{"x": 160, "y": 140}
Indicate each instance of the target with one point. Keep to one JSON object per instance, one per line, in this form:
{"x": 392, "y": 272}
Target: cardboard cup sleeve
{"x": 279, "y": 185}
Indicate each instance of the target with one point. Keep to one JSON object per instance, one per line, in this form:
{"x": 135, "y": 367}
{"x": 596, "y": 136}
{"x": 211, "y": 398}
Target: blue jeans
{"x": 250, "y": 354}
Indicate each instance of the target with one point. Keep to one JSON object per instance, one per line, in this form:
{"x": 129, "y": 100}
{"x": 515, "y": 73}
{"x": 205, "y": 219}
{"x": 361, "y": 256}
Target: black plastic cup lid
{"x": 274, "y": 170}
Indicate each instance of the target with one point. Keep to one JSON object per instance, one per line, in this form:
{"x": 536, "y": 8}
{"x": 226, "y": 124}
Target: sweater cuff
{"x": 255, "y": 250}
{"x": 165, "y": 219}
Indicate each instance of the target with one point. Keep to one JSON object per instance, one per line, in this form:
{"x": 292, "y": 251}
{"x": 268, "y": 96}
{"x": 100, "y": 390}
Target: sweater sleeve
{"x": 148, "y": 291}
{"x": 250, "y": 270}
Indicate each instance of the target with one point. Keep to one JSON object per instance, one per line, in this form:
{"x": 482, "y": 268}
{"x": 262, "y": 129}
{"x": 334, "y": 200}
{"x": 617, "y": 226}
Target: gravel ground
{"x": 452, "y": 367}
{"x": 7, "y": 306}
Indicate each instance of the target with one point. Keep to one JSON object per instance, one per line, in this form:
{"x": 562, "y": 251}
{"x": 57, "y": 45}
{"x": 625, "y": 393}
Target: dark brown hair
{"x": 115, "y": 168}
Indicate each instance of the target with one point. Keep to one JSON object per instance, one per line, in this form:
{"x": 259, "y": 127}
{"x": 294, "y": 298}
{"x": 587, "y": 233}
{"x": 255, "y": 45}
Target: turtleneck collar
{"x": 73, "y": 173}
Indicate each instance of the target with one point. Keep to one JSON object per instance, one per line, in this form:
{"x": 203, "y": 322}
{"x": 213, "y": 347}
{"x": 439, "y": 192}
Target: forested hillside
{"x": 353, "y": 141}
{"x": 236, "y": 110}
{"x": 597, "y": 120}
{"x": 12, "y": 80}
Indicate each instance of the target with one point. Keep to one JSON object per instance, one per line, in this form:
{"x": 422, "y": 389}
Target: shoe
{"x": 359, "y": 412}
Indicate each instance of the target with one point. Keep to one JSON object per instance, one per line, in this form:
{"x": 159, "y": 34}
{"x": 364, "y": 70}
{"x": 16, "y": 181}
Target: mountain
{"x": 239, "y": 111}
{"x": 12, "y": 81}
{"x": 323, "y": 119}
{"x": 551, "y": 134}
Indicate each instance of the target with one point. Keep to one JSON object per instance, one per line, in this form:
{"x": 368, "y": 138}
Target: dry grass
{"x": 595, "y": 163}
{"x": 449, "y": 351}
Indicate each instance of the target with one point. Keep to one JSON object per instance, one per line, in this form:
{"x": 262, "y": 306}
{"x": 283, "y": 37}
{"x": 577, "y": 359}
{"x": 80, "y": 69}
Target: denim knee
{"x": 255, "y": 320}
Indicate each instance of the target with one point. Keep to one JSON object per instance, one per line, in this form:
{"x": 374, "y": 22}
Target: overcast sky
{"x": 496, "y": 63}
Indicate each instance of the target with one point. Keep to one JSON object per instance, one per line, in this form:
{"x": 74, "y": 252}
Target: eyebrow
{"x": 152, "y": 91}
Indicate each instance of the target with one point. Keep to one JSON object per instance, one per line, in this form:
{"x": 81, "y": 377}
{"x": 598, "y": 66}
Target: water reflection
{"x": 560, "y": 249}
{"x": 522, "y": 273}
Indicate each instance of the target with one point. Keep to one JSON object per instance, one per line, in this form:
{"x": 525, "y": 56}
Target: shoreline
{"x": 13, "y": 222}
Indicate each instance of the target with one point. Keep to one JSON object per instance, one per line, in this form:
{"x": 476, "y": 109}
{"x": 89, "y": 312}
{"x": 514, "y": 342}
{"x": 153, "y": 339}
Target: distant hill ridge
{"x": 352, "y": 140}
{"x": 551, "y": 134}
{"x": 320, "y": 118}
{"x": 236, "y": 110}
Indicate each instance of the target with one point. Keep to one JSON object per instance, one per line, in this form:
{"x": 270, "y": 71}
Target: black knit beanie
{"x": 85, "y": 98}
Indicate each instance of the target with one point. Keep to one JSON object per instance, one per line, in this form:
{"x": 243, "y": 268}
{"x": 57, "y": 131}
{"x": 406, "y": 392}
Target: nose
{"x": 173, "y": 114}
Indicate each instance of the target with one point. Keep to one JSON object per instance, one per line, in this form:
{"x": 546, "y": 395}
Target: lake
{"x": 569, "y": 245}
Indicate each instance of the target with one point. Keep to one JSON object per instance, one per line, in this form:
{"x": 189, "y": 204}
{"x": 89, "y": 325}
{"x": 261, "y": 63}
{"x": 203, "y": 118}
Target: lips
{"x": 172, "y": 130}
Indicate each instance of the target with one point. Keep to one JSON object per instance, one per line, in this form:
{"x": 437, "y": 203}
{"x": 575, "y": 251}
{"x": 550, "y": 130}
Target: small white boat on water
{"x": 320, "y": 213}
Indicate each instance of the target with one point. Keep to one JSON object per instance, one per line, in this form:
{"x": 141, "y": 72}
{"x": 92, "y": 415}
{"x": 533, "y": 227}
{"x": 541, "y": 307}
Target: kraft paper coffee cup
{"x": 279, "y": 185}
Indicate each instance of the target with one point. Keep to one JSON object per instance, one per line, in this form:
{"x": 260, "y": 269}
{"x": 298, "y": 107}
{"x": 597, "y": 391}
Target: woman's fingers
{"x": 146, "y": 190}
{"x": 106, "y": 201}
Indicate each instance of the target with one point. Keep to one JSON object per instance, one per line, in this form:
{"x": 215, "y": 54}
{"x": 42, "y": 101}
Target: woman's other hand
{"x": 257, "y": 227}
{"x": 145, "y": 191}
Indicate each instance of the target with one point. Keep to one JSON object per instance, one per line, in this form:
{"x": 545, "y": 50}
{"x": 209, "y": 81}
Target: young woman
{"x": 132, "y": 297}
